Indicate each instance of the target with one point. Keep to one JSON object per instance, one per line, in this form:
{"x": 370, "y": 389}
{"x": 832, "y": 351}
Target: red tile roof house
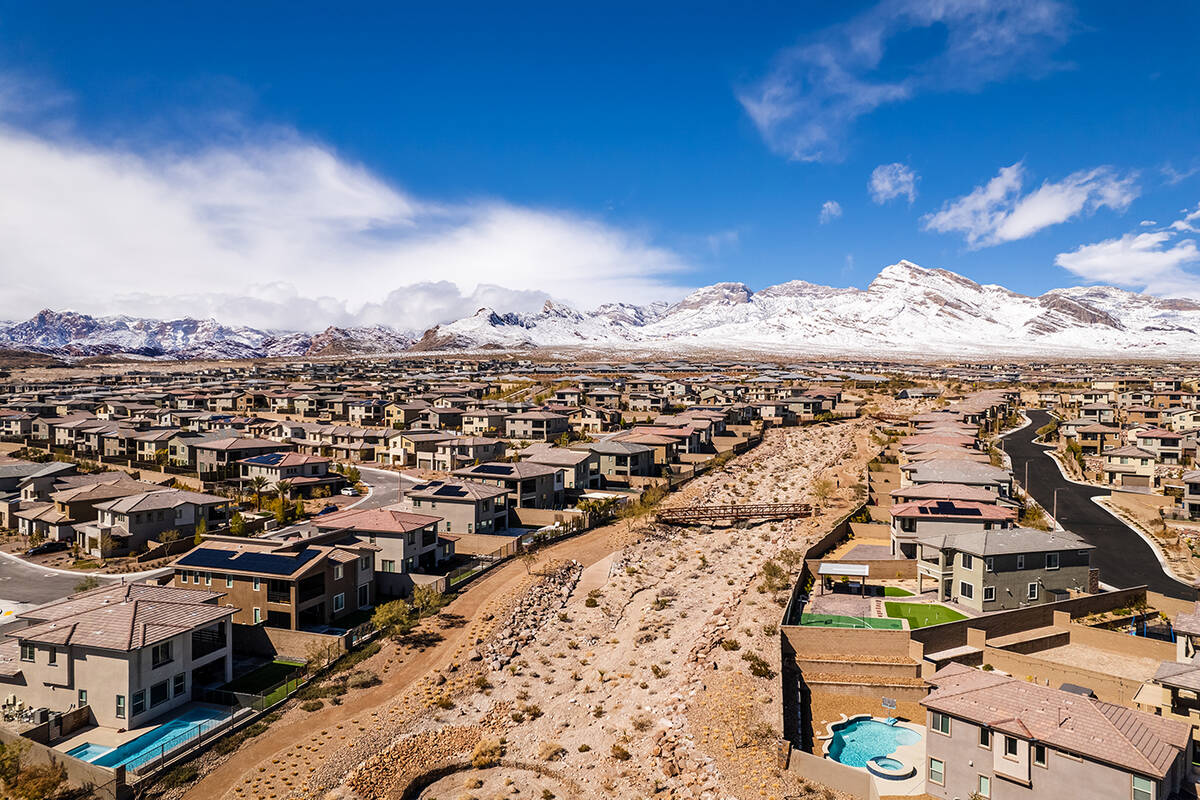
{"x": 999, "y": 737}
{"x": 409, "y": 544}
{"x": 130, "y": 651}
{"x": 303, "y": 473}
{"x": 914, "y": 520}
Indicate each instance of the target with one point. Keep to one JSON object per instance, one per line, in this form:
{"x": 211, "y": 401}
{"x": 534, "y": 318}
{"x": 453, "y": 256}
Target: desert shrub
{"x": 551, "y": 751}
{"x": 759, "y": 667}
{"x": 312, "y": 705}
{"x": 730, "y": 644}
{"x": 620, "y": 753}
{"x": 487, "y": 754}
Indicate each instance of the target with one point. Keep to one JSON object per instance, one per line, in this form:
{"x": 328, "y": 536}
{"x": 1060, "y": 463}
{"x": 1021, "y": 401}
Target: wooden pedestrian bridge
{"x": 697, "y": 514}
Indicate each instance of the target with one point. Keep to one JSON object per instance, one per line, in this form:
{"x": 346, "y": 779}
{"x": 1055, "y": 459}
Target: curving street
{"x": 1122, "y": 556}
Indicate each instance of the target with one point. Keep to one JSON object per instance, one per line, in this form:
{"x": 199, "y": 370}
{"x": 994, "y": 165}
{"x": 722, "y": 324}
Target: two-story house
{"x": 405, "y": 543}
{"x": 130, "y": 651}
{"x": 916, "y": 520}
{"x": 529, "y": 485}
{"x": 464, "y": 506}
{"x": 283, "y": 583}
{"x": 995, "y": 570}
{"x": 304, "y": 473}
{"x": 996, "y": 737}
{"x": 133, "y": 520}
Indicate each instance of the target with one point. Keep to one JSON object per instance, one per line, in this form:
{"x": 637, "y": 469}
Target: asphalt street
{"x": 385, "y": 487}
{"x": 1123, "y": 557}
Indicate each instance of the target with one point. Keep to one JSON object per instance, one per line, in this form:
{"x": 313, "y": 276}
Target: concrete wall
{"x": 854, "y": 782}
{"x": 954, "y": 634}
{"x": 844, "y": 642}
{"x": 1109, "y": 688}
{"x": 104, "y": 783}
{"x": 264, "y": 641}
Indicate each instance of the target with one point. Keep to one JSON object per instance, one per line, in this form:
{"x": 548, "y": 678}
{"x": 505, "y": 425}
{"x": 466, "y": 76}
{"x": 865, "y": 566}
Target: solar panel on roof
{"x": 450, "y": 491}
{"x": 494, "y": 469}
{"x": 270, "y": 563}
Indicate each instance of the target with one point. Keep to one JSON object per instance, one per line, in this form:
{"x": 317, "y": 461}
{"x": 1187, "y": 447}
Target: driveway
{"x": 1123, "y": 558}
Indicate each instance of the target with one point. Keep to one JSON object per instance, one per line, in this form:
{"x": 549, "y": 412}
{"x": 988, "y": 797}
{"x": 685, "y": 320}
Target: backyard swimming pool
{"x": 857, "y": 741}
{"x": 172, "y": 733}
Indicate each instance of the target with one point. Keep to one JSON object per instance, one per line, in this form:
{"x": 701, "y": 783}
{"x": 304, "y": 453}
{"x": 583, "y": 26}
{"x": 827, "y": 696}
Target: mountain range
{"x": 906, "y": 310}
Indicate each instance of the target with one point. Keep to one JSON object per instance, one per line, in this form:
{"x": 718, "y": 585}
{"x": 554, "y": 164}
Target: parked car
{"x": 329, "y": 509}
{"x": 47, "y": 547}
{"x": 350, "y": 491}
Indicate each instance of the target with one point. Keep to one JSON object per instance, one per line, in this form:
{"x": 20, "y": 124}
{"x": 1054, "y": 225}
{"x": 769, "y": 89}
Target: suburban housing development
{"x": 953, "y": 614}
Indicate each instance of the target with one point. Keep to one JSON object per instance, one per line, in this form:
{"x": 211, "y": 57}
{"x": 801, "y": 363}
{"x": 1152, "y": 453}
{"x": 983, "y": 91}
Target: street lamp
{"x": 1054, "y": 513}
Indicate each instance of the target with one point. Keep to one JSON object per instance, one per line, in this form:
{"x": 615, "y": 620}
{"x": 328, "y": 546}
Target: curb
{"x": 123, "y": 576}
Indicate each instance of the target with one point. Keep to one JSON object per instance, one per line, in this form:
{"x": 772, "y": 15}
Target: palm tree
{"x": 283, "y": 488}
{"x": 258, "y": 483}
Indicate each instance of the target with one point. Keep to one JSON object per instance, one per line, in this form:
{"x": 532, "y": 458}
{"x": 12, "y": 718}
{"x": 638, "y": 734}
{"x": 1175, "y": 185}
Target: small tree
{"x": 353, "y": 475}
{"x": 283, "y": 511}
{"x": 394, "y": 616}
{"x": 107, "y": 545}
{"x": 257, "y": 484}
{"x": 40, "y": 781}
{"x": 201, "y": 529}
{"x": 426, "y": 599}
{"x": 283, "y": 489}
{"x": 299, "y": 508}
{"x": 160, "y": 456}
{"x": 168, "y": 536}
{"x": 822, "y": 490}
{"x": 237, "y": 525}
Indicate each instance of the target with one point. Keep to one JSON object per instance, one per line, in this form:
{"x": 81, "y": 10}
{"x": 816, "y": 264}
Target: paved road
{"x": 1123, "y": 558}
{"x": 385, "y": 487}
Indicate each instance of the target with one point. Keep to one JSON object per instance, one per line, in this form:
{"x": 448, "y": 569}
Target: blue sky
{"x": 290, "y": 164}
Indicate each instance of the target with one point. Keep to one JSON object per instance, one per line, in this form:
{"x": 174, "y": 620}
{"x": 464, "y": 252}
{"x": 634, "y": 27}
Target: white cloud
{"x": 1147, "y": 223}
{"x": 815, "y": 91}
{"x": 830, "y": 210}
{"x": 1146, "y": 261}
{"x": 997, "y": 212}
{"x": 1188, "y": 223}
{"x": 892, "y": 180}
{"x": 285, "y": 233}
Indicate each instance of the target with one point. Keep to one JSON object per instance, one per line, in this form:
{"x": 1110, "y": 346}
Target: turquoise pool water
{"x": 856, "y": 742}
{"x": 174, "y": 732}
{"x": 88, "y": 751}
{"x": 889, "y": 763}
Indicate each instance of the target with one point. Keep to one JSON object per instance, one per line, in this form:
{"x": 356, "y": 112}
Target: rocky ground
{"x": 656, "y": 674}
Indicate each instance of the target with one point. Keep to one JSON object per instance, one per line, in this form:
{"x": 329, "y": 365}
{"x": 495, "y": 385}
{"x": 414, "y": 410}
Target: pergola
{"x": 831, "y": 570}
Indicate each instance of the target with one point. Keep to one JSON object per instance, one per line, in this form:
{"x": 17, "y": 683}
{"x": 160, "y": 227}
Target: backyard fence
{"x": 193, "y": 736}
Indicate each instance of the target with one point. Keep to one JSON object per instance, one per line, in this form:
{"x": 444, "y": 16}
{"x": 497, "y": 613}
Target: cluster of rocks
{"x": 688, "y": 776}
{"x": 529, "y": 614}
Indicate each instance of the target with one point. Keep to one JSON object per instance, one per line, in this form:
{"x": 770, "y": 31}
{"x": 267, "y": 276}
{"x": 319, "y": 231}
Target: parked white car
{"x": 350, "y": 491}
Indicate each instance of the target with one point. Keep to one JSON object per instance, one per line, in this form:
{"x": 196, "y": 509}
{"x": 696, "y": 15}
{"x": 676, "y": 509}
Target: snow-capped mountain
{"x": 67, "y": 333}
{"x": 906, "y": 310}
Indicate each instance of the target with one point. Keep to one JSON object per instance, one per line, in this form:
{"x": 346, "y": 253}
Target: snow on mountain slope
{"x": 906, "y": 310}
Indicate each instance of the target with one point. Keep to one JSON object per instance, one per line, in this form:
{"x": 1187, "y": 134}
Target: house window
{"x": 937, "y": 772}
{"x": 387, "y": 565}
{"x": 228, "y": 581}
{"x": 989, "y": 594}
{"x": 1051, "y": 560}
{"x": 364, "y": 596}
{"x": 1021, "y": 561}
{"x": 337, "y": 572}
{"x": 257, "y": 615}
{"x": 160, "y": 654}
{"x": 1033, "y": 591}
{"x": 180, "y": 685}
{"x": 967, "y": 561}
{"x": 1010, "y": 747}
{"x": 339, "y": 601}
{"x": 120, "y": 714}
{"x": 257, "y": 584}
{"x": 82, "y": 698}
{"x": 1039, "y": 755}
{"x": 1143, "y": 788}
{"x": 160, "y": 693}
{"x": 139, "y": 702}
{"x": 53, "y": 656}
{"x": 208, "y": 579}
{"x": 28, "y": 652}
{"x": 966, "y": 590}
{"x": 939, "y": 722}
{"x": 985, "y": 738}
{"x": 985, "y": 787}
{"x": 989, "y": 564}
{"x": 364, "y": 563}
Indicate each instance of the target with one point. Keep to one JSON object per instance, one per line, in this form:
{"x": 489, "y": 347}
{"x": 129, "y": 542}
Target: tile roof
{"x": 389, "y": 519}
{"x": 1132, "y": 740}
